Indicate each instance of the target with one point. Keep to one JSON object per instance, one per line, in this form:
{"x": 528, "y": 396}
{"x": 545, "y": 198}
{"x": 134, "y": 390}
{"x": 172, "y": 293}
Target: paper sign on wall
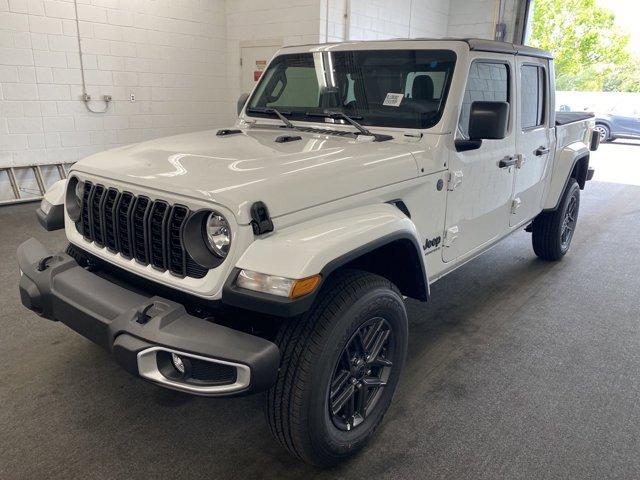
{"x": 393, "y": 99}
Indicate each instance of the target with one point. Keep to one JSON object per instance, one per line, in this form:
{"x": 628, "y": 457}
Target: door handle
{"x": 507, "y": 162}
{"x": 541, "y": 151}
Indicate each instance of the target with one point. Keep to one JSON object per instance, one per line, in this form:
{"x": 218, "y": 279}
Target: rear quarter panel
{"x": 572, "y": 142}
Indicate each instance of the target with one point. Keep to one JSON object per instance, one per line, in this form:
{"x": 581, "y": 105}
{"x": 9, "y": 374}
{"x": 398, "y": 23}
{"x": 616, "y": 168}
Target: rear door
{"x": 480, "y": 190}
{"x": 533, "y": 139}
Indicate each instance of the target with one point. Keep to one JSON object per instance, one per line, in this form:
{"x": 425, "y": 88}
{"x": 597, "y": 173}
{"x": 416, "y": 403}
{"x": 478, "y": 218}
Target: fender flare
{"x": 563, "y": 166}
{"x": 53, "y": 219}
{"x": 356, "y": 233}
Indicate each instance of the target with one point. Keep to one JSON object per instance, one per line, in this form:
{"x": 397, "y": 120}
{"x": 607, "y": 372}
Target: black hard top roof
{"x": 504, "y": 47}
{"x": 475, "y": 44}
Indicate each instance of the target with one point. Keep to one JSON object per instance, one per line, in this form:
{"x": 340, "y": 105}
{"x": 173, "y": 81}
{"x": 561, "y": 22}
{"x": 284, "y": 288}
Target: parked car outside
{"x": 622, "y": 121}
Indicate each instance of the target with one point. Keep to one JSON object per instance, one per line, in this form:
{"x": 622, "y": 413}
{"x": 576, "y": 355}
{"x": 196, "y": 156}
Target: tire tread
{"x": 300, "y": 342}
{"x": 546, "y": 228}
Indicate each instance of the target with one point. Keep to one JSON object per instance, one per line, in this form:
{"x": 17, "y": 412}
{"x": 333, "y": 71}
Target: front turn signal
{"x": 304, "y": 286}
{"x": 276, "y": 285}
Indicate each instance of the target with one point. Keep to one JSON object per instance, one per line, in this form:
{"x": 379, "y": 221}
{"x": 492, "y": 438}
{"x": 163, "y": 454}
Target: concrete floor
{"x": 517, "y": 369}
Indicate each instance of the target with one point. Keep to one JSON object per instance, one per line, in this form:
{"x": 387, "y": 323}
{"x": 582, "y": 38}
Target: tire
{"x": 553, "y": 231}
{"x": 297, "y": 407}
{"x": 604, "y": 131}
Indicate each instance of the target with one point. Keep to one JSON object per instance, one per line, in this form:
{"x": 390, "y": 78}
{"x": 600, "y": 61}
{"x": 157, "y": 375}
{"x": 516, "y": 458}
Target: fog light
{"x": 178, "y": 363}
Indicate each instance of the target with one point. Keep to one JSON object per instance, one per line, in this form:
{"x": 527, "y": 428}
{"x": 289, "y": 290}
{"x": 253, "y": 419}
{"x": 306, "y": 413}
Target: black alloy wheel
{"x": 361, "y": 374}
{"x": 569, "y": 223}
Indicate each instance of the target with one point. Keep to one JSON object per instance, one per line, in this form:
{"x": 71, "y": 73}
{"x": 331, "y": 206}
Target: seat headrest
{"x": 422, "y": 88}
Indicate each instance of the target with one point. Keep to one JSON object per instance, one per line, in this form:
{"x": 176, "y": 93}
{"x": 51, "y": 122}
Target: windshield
{"x": 387, "y": 88}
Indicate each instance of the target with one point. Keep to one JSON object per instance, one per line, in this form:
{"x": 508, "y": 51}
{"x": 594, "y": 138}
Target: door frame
{"x": 501, "y": 229}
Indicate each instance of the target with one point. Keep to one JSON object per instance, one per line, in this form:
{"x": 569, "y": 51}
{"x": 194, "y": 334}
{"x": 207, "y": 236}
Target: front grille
{"x": 137, "y": 227}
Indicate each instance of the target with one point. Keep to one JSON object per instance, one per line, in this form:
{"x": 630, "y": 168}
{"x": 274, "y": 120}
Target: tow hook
{"x": 151, "y": 310}
{"x": 43, "y": 264}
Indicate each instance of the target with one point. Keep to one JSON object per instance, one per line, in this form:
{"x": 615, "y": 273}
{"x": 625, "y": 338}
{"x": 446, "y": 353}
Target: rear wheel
{"x": 603, "y": 131}
{"x": 552, "y": 232}
{"x": 339, "y": 369}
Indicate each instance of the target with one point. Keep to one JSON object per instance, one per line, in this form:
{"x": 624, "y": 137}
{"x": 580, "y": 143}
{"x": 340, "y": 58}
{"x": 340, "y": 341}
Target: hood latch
{"x": 260, "y": 219}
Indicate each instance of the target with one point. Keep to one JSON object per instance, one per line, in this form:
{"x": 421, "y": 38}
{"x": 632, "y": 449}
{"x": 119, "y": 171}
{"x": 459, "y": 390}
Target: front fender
{"x": 306, "y": 249}
{"x": 562, "y": 167}
{"x": 321, "y": 246}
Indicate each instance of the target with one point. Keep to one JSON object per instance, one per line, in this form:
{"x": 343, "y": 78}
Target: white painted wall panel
{"x": 170, "y": 55}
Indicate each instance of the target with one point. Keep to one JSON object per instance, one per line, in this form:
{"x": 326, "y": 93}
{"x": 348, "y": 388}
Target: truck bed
{"x": 563, "y": 118}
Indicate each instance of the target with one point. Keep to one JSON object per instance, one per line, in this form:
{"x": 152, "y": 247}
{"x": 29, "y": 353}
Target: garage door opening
{"x": 597, "y": 58}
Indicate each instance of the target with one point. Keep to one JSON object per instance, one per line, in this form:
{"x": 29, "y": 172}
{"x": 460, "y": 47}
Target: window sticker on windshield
{"x": 393, "y": 99}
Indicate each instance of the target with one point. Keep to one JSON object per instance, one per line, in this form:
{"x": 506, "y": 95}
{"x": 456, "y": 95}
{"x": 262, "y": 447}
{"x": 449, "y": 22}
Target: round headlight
{"x": 218, "y": 234}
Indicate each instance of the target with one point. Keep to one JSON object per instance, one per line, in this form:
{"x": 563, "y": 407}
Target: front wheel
{"x": 552, "y": 232}
{"x": 339, "y": 369}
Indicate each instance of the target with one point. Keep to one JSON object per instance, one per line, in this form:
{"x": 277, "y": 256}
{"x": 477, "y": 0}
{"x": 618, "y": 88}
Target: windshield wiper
{"x": 343, "y": 116}
{"x": 279, "y": 114}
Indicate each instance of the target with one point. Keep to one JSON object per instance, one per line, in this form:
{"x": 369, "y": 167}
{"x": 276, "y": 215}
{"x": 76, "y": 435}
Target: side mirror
{"x": 487, "y": 121}
{"x": 241, "y": 101}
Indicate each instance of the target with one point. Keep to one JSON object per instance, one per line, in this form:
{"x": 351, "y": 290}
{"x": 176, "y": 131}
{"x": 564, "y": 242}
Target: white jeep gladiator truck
{"x": 275, "y": 255}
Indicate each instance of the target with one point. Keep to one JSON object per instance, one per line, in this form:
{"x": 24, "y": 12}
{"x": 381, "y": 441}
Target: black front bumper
{"x": 130, "y": 324}
{"x": 54, "y": 220}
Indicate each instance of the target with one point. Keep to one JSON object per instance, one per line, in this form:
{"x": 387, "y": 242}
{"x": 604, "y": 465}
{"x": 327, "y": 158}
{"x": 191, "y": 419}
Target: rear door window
{"x": 533, "y": 96}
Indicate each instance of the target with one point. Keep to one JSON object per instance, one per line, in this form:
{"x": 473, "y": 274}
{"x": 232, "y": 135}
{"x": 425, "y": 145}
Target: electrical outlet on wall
{"x": 132, "y": 97}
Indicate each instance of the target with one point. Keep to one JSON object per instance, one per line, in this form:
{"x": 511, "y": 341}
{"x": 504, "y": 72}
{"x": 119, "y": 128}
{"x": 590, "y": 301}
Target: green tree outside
{"x": 591, "y": 53}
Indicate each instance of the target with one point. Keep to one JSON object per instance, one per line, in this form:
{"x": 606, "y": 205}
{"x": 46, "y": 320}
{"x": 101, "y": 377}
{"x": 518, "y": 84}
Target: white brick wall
{"x": 384, "y": 19}
{"x": 170, "y": 54}
{"x": 290, "y": 22}
{"x": 477, "y": 18}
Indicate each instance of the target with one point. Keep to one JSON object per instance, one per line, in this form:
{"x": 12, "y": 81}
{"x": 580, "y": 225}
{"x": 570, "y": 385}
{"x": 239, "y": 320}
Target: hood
{"x": 239, "y": 169}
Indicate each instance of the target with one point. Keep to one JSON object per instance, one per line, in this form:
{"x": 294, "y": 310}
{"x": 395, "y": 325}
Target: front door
{"x": 479, "y": 195}
{"x": 533, "y": 140}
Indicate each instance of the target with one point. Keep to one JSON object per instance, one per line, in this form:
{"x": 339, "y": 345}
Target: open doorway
{"x": 596, "y": 44}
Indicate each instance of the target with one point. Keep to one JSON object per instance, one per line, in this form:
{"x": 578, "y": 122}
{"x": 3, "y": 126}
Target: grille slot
{"x": 110, "y": 219}
{"x": 139, "y": 231}
{"x": 85, "y": 229}
{"x": 157, "y": 234}
{"x": 123, "y": 232}
{"x": 177, "y": 261}
{"x": 96, "y": 220}
{"x": 137, "y": 227}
